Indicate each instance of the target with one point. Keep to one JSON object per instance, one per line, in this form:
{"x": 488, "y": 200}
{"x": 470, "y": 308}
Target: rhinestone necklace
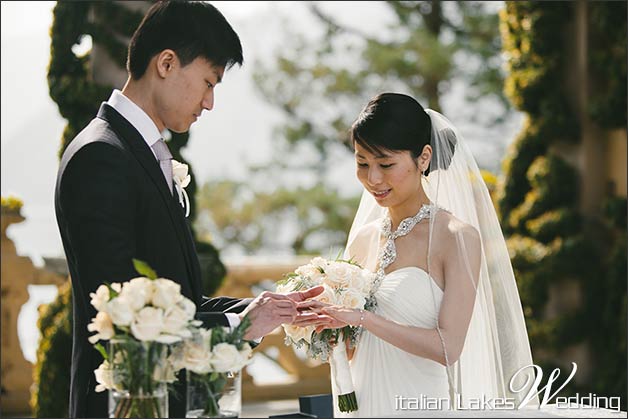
{"x": 388, "y": 253}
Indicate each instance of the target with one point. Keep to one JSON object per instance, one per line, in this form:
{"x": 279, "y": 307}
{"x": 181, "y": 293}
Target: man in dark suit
{"x": 115, "y": 198}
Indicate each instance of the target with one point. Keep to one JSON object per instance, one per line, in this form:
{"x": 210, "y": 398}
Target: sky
{"x": 236, "y": 133}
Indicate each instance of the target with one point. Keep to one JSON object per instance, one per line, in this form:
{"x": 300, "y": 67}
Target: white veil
{"x": 496, "y": 344}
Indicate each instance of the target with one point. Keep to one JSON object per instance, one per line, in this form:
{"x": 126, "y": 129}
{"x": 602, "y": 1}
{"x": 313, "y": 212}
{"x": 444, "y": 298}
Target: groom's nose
{"x": 208, "y": 100}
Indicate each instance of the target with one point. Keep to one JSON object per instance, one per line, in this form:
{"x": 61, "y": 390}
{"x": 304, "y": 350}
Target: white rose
{"x": 101, "y": 324}
{"x": 148, "y": 324}
{"x": 104, "y": 377}
{"x": 337, "y": 275}
{"x": 176, "y": 322}
{"x": 296, "y": 333}
{"x": 319, "y": 262}
{"x": 327, "y": 296}
{"x": 100, "y": 297}
{"x": 180, "y": 173}
{"x": 166, "y": 293}
{"x": 138, "y": 291}
{"x": 357, "y": 282}
{"x": 188, "y": 307}
{"x": 245, "y": 355}
{"x": 225, "y": 357}
{"x": 197, "y": 354}
{"x": 352, "y": 299}
{"x": 310, "y": 271}
{"x": 120, "y": 310}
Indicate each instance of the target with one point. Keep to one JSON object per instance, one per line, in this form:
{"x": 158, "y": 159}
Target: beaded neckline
{"x": 388, "y": 253}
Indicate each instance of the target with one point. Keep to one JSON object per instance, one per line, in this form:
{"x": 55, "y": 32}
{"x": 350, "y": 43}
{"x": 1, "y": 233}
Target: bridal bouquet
{"x": 140, "y": 319}
{"x": 346, "y": 284}
{"x": 213, "y": 359}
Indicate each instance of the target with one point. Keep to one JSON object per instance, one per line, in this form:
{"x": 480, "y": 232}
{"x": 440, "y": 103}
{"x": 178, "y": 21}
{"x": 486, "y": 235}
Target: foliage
{"x": 608, "y": 306}
{"x": 321, "y": 84}
{"x": 254, "y": 219}
{"x": 552, "y": 244}
{"x": 213, "y": 271}
{"x": 11, "y": 204}
{"x": 607, "y": 61}
{"x": 50, "y": 393}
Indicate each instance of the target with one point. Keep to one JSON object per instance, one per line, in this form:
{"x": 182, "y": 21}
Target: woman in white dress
{"x": 448, "y": 328}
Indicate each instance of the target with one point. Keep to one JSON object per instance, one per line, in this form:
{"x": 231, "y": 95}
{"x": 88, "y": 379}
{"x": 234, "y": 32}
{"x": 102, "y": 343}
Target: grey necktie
{"x": 165, "y": 160}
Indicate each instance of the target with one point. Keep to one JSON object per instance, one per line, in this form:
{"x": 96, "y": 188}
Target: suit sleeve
{"x": 98, "y": 198}
{"x": 212, "y": 310}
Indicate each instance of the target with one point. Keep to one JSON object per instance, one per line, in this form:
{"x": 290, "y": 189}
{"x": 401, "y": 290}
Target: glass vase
{"x": 214, "y": 395}
{"x": 136, "y": 368}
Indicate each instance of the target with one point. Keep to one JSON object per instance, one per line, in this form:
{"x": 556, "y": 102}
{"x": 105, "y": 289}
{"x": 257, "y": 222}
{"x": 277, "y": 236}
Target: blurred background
{"x": 537, "y": 88}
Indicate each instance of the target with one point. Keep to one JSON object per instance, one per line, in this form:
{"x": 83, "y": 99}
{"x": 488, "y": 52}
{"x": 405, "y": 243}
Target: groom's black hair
{"x": 392, "y": 121}
{"x": 191, "y": 29}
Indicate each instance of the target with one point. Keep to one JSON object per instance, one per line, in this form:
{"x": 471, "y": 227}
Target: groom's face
{"x": 188, "y": 91}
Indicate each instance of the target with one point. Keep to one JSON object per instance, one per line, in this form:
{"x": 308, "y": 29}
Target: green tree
{"x": 310, "y": 220}
{"x": 556, "y": 247}
{"x": 321, "y": 84}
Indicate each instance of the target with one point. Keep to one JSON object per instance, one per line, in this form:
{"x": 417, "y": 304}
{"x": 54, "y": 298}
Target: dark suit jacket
{"x": 112, "y": 204}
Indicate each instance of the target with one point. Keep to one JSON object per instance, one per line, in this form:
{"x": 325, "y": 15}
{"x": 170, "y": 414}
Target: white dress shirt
{"x": 149, "y": 132}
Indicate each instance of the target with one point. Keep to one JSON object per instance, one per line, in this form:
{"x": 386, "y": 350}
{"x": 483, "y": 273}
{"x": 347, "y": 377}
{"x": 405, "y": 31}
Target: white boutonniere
{"x": 181, "y": 180}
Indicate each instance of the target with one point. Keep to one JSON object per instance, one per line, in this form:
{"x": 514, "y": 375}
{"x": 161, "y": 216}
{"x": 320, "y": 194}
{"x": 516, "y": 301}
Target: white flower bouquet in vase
{"x": 140, "y": 319}
{"x": 214, "y": 359}
{"x": 346, "y": 284}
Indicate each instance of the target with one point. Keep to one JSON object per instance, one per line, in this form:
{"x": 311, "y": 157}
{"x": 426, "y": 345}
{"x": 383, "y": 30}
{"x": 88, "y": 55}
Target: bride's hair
{"x": 397, "y": 122}
{"x": 392, "y": 121}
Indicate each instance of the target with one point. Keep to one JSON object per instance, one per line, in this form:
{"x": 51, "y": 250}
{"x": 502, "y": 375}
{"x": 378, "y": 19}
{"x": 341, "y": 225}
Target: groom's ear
{"x": 165, "y": 62}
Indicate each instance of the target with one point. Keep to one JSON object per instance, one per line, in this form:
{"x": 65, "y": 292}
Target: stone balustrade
{"x": 244, "y": 278}
{"x": 306, "y": 377}
{"x": 18, "y": 272}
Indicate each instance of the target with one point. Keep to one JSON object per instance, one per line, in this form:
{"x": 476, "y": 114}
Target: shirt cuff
{"x": 233, "y": 319}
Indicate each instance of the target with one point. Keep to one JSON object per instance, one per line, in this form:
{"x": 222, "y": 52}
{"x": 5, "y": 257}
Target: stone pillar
{"x": 17, "y": 271}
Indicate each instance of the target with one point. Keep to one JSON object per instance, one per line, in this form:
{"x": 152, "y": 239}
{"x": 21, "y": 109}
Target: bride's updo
{"x": 397, "y": 122}
{"x": 392, "y": 121}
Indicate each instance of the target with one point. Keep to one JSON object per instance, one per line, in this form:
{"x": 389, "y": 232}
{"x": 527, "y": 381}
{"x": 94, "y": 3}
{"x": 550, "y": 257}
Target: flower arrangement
{"x": 346, "y": 284}
{"x": 213, "y": 358}
{"x": 141, "y": 319}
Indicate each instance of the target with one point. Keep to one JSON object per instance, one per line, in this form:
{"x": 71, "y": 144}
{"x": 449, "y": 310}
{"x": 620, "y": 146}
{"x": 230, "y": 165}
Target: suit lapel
{"x": 146, "y": 158}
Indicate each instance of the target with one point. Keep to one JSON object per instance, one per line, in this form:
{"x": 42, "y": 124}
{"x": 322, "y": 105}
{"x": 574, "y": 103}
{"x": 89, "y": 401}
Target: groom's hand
{"x": 269, "y": 310}
{"x": 314, "y": 314}
{"x": 300, "y": 296}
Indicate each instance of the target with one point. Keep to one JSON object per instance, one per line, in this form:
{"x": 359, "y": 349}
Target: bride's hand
{"x": 323, "y": 320}
{"x": 350, "y": 316}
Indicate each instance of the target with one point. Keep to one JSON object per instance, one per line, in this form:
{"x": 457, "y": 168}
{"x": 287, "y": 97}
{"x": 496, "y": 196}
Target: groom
{"x": 115, "y": 198}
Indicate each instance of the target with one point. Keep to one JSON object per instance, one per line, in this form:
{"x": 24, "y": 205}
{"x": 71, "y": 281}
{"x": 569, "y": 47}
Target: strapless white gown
{"x": 382, "y": 372}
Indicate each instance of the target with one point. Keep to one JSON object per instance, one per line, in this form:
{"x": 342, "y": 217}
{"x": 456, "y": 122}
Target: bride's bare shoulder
{"x": 451, "y": 228}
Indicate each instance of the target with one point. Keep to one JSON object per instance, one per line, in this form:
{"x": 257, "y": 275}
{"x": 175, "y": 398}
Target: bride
{"x": 448, "y": 327}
